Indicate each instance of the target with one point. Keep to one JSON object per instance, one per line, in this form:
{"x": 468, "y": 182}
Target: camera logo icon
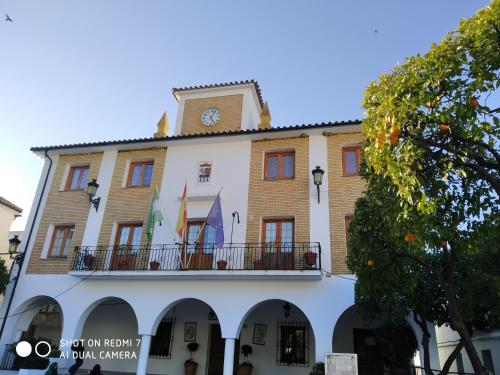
{"x": 24, "y": 349}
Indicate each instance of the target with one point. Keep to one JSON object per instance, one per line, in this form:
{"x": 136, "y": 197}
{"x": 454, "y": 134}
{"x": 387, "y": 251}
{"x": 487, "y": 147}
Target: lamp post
{"x": 318, "y": 177}
{"x": 92, "y": 187}
{"x": 13, "y": 245}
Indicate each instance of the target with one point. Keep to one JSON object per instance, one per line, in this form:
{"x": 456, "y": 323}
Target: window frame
{"x": 130, "y": 235}
{"x": 345, "y": 150}
{"x": 71, "y": 173}
{"x": 280, "y": 155}
{"x": 279, "y": 222}
{"x": 66, "y": 228}
{"x": 143, "y": 164}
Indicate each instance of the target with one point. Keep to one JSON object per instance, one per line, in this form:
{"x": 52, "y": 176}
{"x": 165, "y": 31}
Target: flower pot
{"x": 245, "y": 369}
{"x": 310, "y": 258}
{"x": 221, "y": 265}
{"x": 190, "y": 367}
{"x": 287, "y": 264}
{"x": 154, "y": 265}
{"x": 258, "y": 264}
{"x": 88, "y": 261}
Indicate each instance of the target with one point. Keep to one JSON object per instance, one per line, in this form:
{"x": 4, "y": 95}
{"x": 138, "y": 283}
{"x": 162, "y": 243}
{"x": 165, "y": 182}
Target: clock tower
{"x": 225, "y": 107}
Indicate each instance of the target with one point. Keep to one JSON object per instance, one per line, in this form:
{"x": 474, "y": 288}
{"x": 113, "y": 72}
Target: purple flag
{"x": 214, "y": 220}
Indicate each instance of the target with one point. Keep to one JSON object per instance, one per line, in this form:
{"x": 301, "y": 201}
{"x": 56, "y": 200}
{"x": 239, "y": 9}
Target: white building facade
{"x": 279, "y": 284}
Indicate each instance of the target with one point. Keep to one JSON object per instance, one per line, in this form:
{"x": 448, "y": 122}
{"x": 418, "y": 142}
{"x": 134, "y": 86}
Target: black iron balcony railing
{"x": 192, "y": 257}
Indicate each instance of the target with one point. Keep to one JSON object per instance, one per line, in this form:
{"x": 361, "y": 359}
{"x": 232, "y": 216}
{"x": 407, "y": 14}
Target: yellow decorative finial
{"x": 265, "y": 117}
{"x": 162, "y": 127}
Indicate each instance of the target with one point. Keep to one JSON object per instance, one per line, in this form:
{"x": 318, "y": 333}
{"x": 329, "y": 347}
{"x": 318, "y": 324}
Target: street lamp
{"x": 13, "y": 245}
{"x": 91, "y": 191}
{"x": 318, "y": 177}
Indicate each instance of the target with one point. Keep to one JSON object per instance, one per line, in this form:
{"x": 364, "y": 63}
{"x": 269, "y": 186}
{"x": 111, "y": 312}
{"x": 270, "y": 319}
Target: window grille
{"x": 161, "y": 342}
{"x": 292, "y": 344}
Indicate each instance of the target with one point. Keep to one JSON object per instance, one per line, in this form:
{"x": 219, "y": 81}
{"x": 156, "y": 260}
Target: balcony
{"x": 248, "y": 260}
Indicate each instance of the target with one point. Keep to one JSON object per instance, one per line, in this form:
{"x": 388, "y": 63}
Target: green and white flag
{"x": 154, "y": 215}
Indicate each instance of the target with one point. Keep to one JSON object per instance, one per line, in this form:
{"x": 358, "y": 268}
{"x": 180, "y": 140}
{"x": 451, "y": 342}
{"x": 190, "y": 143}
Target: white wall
{"x": 447, "y": 340}
{"x": 231, "y": 165}
{"x": 264, "y": 357}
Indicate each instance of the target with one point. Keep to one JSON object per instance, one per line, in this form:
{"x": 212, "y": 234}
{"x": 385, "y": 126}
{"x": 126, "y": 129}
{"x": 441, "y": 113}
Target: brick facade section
{"x": 279, "y": 198}
{"x": 343, "y": 193}
{"x": 63, "y": 207}
{"x": 231, "y": 107}
{"x": 130, "y": 204}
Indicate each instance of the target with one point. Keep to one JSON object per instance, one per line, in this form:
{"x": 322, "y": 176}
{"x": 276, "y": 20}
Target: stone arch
{"x": 38, "y": 316}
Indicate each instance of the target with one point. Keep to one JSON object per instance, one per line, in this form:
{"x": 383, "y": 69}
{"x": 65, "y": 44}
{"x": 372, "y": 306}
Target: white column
{"x": 142, "y": 361}
{"x": 319, "y": 213}
{"x": 94, "y": 219}
{"x": 228, "y": 356}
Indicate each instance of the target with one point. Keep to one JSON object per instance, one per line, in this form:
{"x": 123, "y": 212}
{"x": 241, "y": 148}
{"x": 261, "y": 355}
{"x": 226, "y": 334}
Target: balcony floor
{"x": 202, "y": 275}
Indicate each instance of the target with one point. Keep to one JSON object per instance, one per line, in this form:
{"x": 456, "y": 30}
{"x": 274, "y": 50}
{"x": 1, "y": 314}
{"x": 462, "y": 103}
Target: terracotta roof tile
{"x": 226, "y": 84}
{"x": 11, "y": 205}
{"x": 200, "y": 135}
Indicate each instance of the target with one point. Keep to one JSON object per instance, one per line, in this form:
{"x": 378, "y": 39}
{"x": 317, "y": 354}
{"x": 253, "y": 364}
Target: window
{"x": 279, "y": 165}
{"x": 293, "y": 344}
{"x": 350, "y": 160}
{"x": 128, "y": 237}
{"x": 347, "y": 221}
{"x": 61, "y": 240}
{"x": 161, "y": 342}
{"x": 278, "y": 235}
{"x": 140, "y": 173}
{"x": 205, "y": 171}
{"x": 204, "y": 241}
{"x": 488, "y": 360}
{"x": 77, "y": 178}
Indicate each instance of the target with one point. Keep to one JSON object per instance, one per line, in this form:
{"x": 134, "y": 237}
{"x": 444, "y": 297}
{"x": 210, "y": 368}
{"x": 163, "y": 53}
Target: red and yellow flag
{"x": 182, "y": 218}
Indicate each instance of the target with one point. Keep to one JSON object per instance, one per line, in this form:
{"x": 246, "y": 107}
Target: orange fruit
{"x": 370, "y": 263}
{"x": 409, "y": 237}
{"x": 474, "y": 103}
{"x": 394, "y": 140}
{"x": 444, "y": 128}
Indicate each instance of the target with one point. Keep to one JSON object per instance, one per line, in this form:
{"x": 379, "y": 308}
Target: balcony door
{"x": 198, "y": 252}
{"x": 127, "y": 242}
{"x": 278, "y": 236}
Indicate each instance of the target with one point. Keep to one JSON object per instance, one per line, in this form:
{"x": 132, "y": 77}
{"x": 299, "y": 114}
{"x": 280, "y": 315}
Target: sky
{"x": 83, "y": 71}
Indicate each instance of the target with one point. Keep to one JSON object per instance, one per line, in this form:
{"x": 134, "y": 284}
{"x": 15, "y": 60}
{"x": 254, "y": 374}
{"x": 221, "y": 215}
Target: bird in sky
{"x": 375, "y": 31}
{"x": 7, "y": 18}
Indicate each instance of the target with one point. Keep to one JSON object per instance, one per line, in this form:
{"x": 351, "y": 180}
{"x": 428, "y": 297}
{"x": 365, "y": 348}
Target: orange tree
{"x": 399, "y": 275}
{"x": 433, "y": 136}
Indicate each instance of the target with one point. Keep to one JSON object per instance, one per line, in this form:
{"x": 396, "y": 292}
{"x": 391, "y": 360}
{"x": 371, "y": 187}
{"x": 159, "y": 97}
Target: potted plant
{"x": 310, "y": 258}
{"x": 318, "y": 369}
{"x": 154, "y": 265}
{"x": 88, "y": 260}
{"x": 258, "y": 264}
{"x": 221, "y": 264}
{"x": 190, "y": 366}
{"x": 245, "y": 368}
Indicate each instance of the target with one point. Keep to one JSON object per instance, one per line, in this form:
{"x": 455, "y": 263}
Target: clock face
{"x": 211, "y": 116}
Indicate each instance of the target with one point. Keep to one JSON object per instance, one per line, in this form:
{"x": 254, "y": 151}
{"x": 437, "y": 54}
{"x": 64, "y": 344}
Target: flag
{"x": 182, "y": 218}
{"x": 214, "y": 220}
{"x": 154, "y": 215}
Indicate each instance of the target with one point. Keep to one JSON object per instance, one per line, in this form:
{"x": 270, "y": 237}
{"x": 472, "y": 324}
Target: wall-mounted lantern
{"x": 91, "y": 191}
{"x": 13, "y": 245}
{"x": 318, "y": 177}
{"x": 286, "y": 310}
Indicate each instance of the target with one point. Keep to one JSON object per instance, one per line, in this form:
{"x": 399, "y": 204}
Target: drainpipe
{"x": 20, "y": 258}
